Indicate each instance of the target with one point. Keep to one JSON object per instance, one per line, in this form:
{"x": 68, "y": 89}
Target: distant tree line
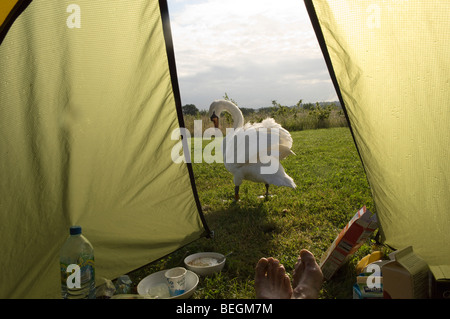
{"x": 277, "y": 108}
{"x": 300, "y": 116}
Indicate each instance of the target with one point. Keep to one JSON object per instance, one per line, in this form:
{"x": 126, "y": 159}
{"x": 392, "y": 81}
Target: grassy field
{"x": 331, "y": 187}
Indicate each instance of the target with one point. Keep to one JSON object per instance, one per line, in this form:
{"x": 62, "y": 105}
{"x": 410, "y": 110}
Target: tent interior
{"x": 84, "y": 110}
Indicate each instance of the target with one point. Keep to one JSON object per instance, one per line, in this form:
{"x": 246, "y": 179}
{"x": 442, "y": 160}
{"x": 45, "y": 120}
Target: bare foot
{"x": 308, "y": 277}
{"x": 271, "y": 280}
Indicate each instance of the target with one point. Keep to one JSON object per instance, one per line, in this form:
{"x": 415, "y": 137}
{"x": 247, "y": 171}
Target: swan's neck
{"x": 236, "y": 114}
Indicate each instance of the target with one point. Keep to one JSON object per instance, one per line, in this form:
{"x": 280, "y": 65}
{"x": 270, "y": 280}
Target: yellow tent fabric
{"x": 88, "y": 102}
{"x": 390, "y": 63}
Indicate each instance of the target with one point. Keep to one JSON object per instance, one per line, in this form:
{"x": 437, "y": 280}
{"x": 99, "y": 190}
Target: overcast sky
{"x": 254, "y": 50}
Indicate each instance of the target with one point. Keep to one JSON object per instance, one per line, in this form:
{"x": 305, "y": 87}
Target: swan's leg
{"x": 236, "y": 193}
{"x": 266, "y": 195}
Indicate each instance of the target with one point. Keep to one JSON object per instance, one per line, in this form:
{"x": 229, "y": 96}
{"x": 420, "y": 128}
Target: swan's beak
{"x": 215, "y": 119}
{"x": 216, "y": 122}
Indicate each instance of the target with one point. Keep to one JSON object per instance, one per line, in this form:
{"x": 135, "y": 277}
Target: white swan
{"x": 253, "y": 165}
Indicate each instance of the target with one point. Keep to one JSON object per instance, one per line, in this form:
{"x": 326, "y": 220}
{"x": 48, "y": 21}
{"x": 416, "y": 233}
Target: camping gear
{"x": 348, "y": 241}
{"x": 221, "y": 259}
{"x": 123, "y": 285}
{"x": 157, "y": 280}
{"x": 205, "y": 263}
{"x": 77, "y": 266}
{"x": 89, "y": 98}
{"x": 176, "y": 280}
{"x": 406, "y": 276}
{"x": 88, "y": 101}
{"x": 368, "y": 259}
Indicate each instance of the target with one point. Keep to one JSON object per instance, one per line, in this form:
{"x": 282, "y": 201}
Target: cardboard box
{"x": 406, "y": 276}
{"x": 440, "y": 282}
{"x": 352, "y": 236}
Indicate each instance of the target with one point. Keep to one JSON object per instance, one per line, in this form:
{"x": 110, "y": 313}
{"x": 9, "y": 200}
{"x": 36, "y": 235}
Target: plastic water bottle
{"x": 77, "y": 267}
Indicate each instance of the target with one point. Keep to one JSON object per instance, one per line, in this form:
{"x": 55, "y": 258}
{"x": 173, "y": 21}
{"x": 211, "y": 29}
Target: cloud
{"x": 255, "y": 50}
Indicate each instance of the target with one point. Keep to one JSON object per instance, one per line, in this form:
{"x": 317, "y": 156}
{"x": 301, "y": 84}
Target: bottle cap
{"x": 75, "y": 230}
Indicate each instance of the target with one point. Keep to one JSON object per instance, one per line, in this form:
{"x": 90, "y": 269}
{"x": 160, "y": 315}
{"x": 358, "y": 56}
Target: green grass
{"x": 331, "y": 187}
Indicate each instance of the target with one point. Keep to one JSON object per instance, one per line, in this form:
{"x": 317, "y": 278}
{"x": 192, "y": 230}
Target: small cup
{"x": 176, "y": 280}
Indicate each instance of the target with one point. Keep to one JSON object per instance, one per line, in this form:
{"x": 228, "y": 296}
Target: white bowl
{"x": 158, "y": 278}
{"x": 208, "y": 267}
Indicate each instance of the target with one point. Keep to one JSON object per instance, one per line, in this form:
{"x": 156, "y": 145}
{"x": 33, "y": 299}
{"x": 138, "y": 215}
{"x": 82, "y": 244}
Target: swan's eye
{"x": 214, "y": 116}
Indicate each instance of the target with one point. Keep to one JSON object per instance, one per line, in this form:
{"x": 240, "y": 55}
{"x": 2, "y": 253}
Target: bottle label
{"x": 74, "y": 275}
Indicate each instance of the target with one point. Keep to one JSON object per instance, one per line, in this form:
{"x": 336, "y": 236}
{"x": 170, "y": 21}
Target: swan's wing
{"x": 246, "y": 155}
{"x": 285, "y": 139}
{"x": 240, "y": 147}
{"x": 255, "y": 143}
